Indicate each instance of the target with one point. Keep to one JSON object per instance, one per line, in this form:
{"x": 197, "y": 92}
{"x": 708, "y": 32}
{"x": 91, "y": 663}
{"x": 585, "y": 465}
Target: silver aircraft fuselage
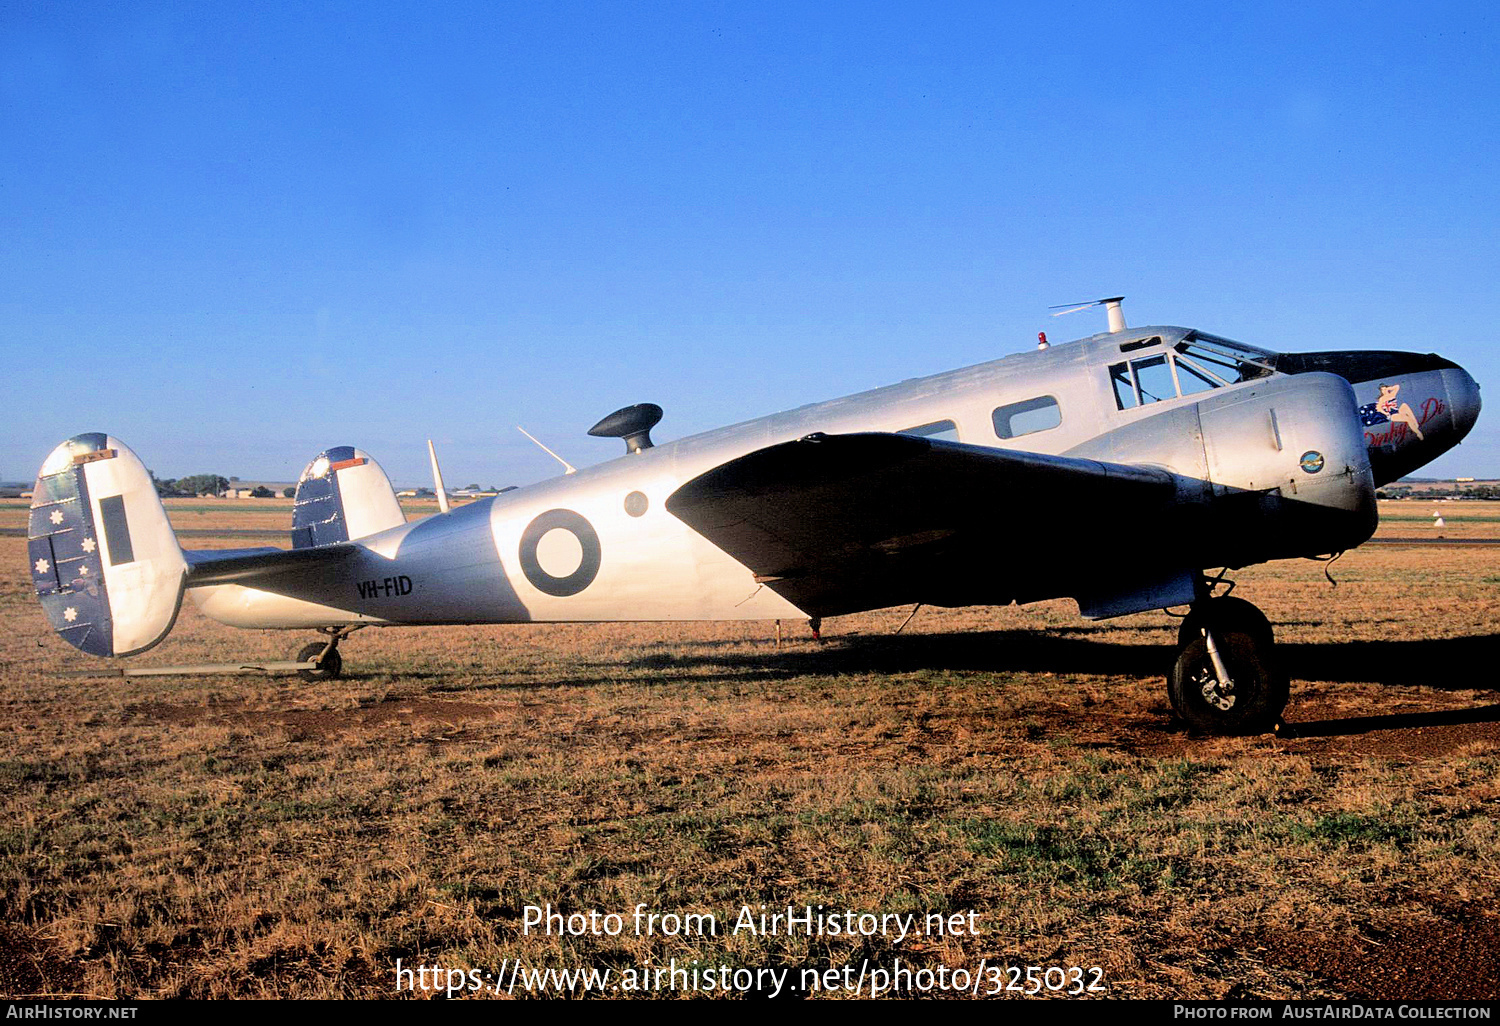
{"x": 601, "y": 545}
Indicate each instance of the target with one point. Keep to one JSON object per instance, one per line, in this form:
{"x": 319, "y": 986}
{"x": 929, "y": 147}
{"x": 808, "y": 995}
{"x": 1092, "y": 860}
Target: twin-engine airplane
{"x": 1112, "y": 470}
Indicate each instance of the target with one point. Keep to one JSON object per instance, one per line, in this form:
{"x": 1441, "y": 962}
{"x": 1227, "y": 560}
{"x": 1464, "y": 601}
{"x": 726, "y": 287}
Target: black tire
{"x": 329, "y": 667}
{"x": 1172, "y": 689}
{"x": 1233, "y": 615}
{"x": 1260, "y": 692}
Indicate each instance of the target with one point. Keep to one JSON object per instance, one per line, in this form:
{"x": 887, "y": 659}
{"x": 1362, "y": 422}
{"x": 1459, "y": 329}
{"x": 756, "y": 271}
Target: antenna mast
{"x": 437, "y": 479}
{"x": 1111, "y": 308}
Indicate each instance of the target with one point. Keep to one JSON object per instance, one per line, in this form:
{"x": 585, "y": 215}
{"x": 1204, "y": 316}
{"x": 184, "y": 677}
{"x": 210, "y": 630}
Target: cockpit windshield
{"x": 1218, "y": 361}
{"x": 1197, "y": 363}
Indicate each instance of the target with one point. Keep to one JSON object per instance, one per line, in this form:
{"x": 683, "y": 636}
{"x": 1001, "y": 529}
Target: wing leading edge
{"x": 842, "y": 523}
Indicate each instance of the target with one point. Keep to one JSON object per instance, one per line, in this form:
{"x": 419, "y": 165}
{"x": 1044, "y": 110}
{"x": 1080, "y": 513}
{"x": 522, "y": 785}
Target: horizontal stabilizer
{"x": 254, "y": 567}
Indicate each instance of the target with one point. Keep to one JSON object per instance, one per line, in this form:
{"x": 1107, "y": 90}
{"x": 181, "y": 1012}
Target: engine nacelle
{"x": 1288, "y": 469}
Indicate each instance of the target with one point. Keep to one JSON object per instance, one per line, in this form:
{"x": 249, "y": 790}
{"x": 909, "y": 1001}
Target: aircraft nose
{"x": 1463, "y": 399}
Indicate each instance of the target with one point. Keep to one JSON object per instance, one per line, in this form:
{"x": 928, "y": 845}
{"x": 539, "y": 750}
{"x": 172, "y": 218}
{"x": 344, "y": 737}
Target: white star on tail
{"x": 88, "y": 545}
{"x": 42, "y": 566}
{"x": 83, "y": 571}
{"x": 70, "y": 614}
{"x": 57, "y": 516}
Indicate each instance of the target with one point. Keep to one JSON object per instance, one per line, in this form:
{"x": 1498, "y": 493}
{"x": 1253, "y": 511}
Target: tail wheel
{"x": 329, "y": 666}
{"x": 1252, "y": 700}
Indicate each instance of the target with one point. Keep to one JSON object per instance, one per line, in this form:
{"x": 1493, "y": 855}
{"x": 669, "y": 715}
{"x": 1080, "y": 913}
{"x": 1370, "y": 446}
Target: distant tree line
{"x": 208, "y": 484}
{"x": 196, "y": 484}
{"x": 1406, "y": 492}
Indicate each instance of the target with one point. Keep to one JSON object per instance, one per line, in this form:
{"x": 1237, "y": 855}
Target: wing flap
{"x": 836, "y": 523}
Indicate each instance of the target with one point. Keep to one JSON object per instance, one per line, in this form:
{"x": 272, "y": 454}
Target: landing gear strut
{"x": 326, "y": 654}
{"x": 1227, "y": 678}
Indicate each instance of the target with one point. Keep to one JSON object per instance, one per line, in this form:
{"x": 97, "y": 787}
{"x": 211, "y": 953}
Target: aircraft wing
{"x": 837, "y": 523}
{"x": 251, "y": 567}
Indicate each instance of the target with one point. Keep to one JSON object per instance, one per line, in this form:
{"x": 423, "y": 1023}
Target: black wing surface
{"x": 842, "y": 523}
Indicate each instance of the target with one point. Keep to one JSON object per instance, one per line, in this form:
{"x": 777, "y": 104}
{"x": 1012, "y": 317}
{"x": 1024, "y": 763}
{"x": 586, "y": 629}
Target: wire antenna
{"x": 570, "y": 468}
{"x": 1111, "y": 306}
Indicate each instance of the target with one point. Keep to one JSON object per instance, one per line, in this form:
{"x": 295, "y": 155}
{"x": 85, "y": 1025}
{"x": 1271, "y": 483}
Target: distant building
{"x": 246, "y": 489}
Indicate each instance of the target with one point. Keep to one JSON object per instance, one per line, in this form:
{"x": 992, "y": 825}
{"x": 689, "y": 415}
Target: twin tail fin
{"x": 342, "y": 495}
{"x": 104, "y": 561}
{"x": 108, "y": 570}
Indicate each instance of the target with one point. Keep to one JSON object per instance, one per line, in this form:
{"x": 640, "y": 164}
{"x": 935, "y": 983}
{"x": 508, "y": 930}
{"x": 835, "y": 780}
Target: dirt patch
{"x": 1406, "y": 732}
{"x": 308, "y": 724}
{"x": 32, "y": 966}
{"x": 1317, "y": 729}
{"x": 1455, "y": 959}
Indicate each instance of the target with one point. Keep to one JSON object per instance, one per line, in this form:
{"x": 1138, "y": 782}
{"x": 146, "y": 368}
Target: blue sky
{"x": 236, "y": 234}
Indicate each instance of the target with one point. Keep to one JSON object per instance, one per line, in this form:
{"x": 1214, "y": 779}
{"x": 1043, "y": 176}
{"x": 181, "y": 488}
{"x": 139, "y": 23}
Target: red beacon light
{"x": 1041, "y": 340}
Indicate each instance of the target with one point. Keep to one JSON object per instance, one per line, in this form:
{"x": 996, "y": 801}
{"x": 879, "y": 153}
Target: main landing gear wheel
{"x": 329, "y": 666}
{"x": 1245, "y": 689}
{"x": 1227, "y": 614}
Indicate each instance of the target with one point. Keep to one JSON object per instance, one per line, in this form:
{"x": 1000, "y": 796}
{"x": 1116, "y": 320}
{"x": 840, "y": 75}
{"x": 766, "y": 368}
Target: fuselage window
{"x": 1027, "y": 417}
{"x": 944, "y": 429}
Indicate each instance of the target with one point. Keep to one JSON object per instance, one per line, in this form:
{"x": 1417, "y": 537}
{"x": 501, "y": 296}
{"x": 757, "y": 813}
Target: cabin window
{"x": 1027, "y": 417}
{"x": 943, "y": 429}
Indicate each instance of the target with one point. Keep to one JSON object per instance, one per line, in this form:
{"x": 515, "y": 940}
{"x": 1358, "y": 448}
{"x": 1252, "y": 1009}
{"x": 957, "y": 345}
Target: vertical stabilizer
{"x": 343, "y": 494}
{"x": 104, "y": 561}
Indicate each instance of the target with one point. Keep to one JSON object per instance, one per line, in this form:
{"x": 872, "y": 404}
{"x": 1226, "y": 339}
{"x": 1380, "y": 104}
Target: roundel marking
{"x": 1312, "y": 461}
{"x": 588, "y": 541}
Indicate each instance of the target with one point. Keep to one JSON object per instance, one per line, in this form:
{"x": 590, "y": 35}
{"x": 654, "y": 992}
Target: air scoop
{"x": 633, "y": 423}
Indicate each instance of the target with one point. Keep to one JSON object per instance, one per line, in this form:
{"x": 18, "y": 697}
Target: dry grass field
{"x": 249, "y": 836}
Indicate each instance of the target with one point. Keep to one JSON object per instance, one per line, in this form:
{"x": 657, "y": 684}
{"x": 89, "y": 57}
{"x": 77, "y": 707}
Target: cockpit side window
{"x": 1119, "y": 377}
{"x": 1148, "y": 380}
{"x": 1153, "y": 379}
